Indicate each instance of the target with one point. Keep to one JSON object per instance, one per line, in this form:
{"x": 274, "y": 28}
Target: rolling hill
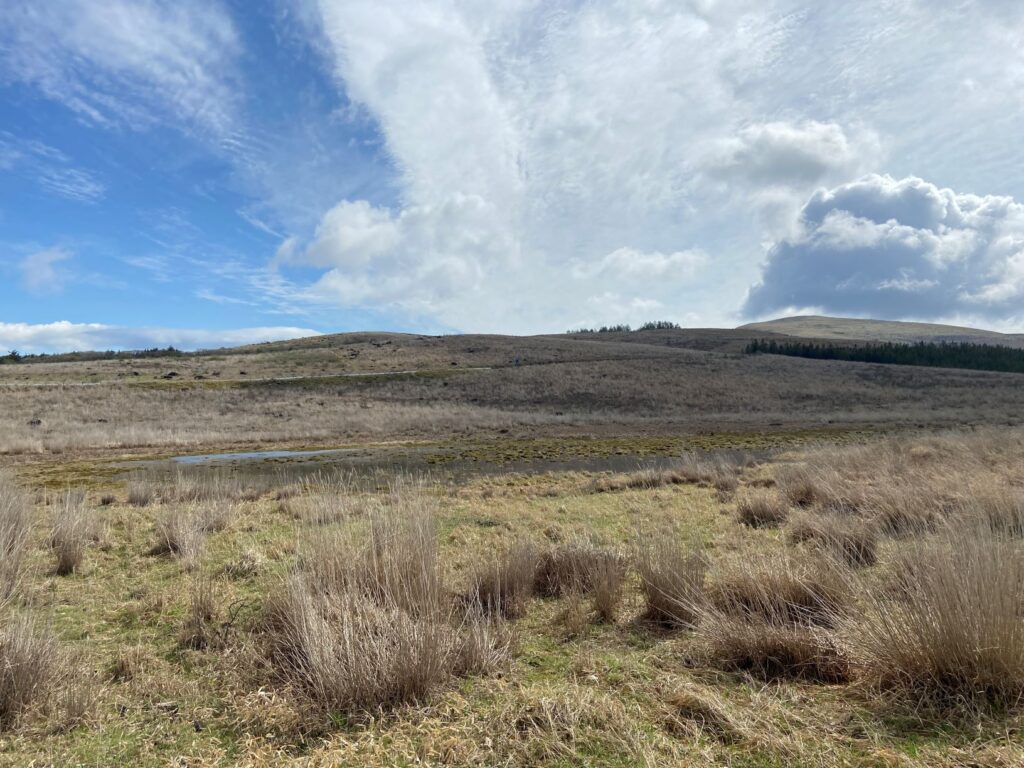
{"x": 852, "y": 329}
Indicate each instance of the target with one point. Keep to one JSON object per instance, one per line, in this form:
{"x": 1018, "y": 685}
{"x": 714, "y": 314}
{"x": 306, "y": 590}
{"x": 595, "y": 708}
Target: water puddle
{"x": 212, "y": 458}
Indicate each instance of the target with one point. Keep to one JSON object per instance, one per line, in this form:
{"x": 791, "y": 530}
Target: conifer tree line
{"x": 980, "y": 357}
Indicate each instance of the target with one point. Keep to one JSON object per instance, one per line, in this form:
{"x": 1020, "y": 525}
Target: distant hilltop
{"x": 853, "y": 329}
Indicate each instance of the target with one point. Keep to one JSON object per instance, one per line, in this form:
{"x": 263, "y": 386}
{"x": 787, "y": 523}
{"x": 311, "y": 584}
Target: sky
{"x": 199, "y": 173}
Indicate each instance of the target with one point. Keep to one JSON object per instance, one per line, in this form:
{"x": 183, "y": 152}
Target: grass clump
{"x": 672, "y": 580}
{"x": 30, "y": 667}
{"x": 770, "y": 614}
{"x": 15, "y": 528}
{"x": 72, "y": 529}
{"x": 364, "y": 623}
{"x": 761, "y": 508}
{"x": 503, "y": 586}
{"x": 851, "y": 539}
{"x": 946, "y": 627}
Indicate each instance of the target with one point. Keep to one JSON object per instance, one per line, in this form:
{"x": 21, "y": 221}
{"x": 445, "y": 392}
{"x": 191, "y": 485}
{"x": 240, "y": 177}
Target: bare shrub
{"x": 851, "y": 539}
{"x": 503, "y": 585}
{"x": 30, "y": 664}
{"x": 672, "y": 579}
{"x": 72, "y": 529}
{"x": 15, "y": 528}
{"x": 761, "y": 508}
{"x": 946, "y": 627}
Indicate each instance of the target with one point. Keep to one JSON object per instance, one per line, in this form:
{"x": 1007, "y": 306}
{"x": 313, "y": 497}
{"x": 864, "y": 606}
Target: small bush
{"x": 140, "y": 492}
{"x": 851, "y": 539}
{"x": 607, "y": 580}
{"x": 759, "y": 508}
{"x": 672, "y": 579}
{"x": 363, "y": 623}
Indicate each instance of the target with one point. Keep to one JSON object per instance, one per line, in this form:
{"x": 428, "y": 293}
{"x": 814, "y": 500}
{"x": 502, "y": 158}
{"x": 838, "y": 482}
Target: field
{"x": 606, "y": 549}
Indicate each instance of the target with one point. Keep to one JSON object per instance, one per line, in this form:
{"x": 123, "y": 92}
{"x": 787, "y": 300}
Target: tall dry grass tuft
{"x": 672, "y": 579}
{"x": 363, "y": 623}
{"x": 15, "y": 528}
{"x": 571, "y": 567}
{"x": 72, "y": 529}
{"x": 761, "y": 508}
{"x": 770, "y": 615}
{"x": 199, "y": 629}
{"x": 30, "y": 666}
{"x": 502, "y": 586}
{"x": 849, "y": 538}
{"x": 946, "y": 627}
{"x": 780, "y": 589}
{"x": 179, "y": 531}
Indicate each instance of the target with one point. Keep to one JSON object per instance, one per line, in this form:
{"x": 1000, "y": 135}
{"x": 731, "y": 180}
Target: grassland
{"x": 825, "y": 566}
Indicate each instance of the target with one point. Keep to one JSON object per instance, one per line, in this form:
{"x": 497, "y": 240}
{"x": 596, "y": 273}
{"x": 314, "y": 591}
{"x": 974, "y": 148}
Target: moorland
{"x": 656, "y": 550}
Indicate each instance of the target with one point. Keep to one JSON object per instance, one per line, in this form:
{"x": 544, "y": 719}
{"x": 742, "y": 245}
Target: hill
{"x": 853, "y": 329}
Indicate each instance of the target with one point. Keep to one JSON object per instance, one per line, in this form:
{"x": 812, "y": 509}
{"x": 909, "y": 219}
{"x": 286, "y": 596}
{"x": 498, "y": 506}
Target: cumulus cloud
{"x": 898, "y": 248}
{"x": 64, "y": 336}
{"x": 40, "y": 273}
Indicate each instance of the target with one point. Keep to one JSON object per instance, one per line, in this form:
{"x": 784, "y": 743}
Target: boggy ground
{"x": 718, "y": 612}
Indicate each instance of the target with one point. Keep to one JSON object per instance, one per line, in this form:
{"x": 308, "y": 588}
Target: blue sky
{"x": 198, "y": 173}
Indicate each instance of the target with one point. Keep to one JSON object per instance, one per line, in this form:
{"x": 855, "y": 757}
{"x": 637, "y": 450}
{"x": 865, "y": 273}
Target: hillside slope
{"x": 852, "y": 329}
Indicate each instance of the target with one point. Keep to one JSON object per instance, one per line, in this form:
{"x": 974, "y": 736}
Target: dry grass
{"x": 179, "y": 531}
{"x": 946, "y": 627}
{"x": 672, "y": 580}
{"x": 30, "y": 667}
{"x": 780, "y": 589}
{"x": 849, "y": 538}
{"x": 502, "y": 586}
{"x": 363, "y": 624}
{"x": 72, "y": 529}
{"x": 199, "y": 630}
{"x": 15, "y": 529}
{"x": 572, "y": 567}
{"x": 770, "y": 614}
{"x": 761, "y": 508}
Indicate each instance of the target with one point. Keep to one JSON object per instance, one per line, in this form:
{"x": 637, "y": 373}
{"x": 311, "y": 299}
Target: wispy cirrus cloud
{"x": 126, "y": 63}
{"x": 49, "y": 168}
{"x": 40, "y": 273}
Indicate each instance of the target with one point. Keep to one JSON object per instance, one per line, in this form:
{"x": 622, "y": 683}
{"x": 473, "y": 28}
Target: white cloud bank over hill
{"x": 64, "y": 336}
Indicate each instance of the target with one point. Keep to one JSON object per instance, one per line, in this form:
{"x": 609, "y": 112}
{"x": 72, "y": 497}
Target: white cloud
{"x": 40, "y": 273}
{"x": 132, "y": 63}
{"x": 64, "y": 336}
{"x": 899, "y": 248}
